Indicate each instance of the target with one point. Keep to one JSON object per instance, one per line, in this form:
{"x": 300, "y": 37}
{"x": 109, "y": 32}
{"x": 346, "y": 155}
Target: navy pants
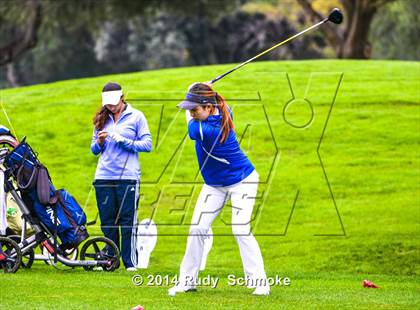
{"x": 117, "y": 204}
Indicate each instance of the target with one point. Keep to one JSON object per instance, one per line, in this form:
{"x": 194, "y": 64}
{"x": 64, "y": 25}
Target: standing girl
{"x": 120, "y": 133}
{"x": 228, "y": 175}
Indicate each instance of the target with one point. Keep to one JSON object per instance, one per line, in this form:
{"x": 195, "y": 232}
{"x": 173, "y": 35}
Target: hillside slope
{"x": 336, "y": 144}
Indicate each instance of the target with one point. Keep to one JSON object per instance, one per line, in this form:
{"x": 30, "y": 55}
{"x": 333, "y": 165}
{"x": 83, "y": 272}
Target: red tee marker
{"x": 369, "y": 284}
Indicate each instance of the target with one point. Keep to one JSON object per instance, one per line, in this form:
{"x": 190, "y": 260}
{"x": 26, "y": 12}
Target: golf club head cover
{"x": 146, "y": 242}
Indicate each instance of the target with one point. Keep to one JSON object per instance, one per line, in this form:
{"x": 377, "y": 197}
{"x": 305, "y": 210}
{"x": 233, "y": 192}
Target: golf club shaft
{"x": 268, "y": 50}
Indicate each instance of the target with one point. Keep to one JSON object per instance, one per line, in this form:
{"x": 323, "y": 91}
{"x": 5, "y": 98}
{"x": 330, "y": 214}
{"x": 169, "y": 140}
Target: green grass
{"x": 108, "y": 291}
{"x": 369, "y": 150}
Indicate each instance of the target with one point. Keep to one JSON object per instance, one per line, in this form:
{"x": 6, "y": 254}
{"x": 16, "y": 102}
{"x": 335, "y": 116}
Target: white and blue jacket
{"x": 221, "y": 164}
{"x": 119, "y": 160}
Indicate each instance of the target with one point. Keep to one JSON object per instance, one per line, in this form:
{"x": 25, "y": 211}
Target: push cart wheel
{"x": 27, "y": 257}
{"x": 101, "y": 249}
{"x": 10, "y": 255}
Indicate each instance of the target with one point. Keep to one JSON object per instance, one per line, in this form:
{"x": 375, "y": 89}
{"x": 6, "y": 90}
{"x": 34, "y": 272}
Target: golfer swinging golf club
{"x": 228, "y": 175}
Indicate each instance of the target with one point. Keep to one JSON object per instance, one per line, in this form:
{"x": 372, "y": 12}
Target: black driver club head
{"x": 335, "y": 16}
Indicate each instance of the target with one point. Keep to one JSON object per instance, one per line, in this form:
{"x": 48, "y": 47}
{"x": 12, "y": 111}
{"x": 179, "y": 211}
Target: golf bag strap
{"x": 60, "y": 201}
{"x": 20, "y": 173}
{"x": 43, "y": 186}
{"x": 54, "y": 207}
{"x": 20, "y": 177}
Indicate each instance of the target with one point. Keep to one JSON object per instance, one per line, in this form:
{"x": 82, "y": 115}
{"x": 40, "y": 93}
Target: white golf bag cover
{"x": 146, "y": 242}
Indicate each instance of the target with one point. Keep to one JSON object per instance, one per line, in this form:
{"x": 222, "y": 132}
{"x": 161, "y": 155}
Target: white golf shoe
{"x": 262, "y": 290}
{"x": 181, "y": 289}
{"x": 131, "y": 269}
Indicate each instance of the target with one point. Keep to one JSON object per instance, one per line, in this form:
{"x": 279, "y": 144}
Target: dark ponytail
{"x": 227, "y": 123}
{"x": 100, "y": 118}
{"x": 103, "y": 113}
{"x": 206, "y": 90}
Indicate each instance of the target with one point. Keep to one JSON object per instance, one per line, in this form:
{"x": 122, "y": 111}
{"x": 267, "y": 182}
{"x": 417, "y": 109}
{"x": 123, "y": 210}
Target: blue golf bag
{"x": 56, "y": 209}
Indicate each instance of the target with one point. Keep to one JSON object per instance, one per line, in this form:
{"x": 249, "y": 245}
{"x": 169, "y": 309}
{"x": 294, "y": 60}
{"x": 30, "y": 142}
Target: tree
{"x": 395, "y": 31}
{"x": 352, "y": 40}
{"x": 242, "y": 35}
{"x": 23, "y": 22}
{"x": 22, "y": 37}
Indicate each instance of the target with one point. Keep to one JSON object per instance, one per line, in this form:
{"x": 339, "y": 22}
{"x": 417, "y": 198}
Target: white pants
{"x": 209, "y": 204}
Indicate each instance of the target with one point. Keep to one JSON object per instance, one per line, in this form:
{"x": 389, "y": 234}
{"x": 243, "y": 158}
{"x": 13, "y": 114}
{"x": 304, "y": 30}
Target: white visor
{"x": 111, "y": 97}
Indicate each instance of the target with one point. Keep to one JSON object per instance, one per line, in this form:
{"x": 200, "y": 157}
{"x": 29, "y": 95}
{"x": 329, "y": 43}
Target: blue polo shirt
{"x": 221, "y": 164}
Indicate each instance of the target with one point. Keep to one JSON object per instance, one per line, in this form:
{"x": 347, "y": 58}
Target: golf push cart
{"x": 57, "y": 220}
